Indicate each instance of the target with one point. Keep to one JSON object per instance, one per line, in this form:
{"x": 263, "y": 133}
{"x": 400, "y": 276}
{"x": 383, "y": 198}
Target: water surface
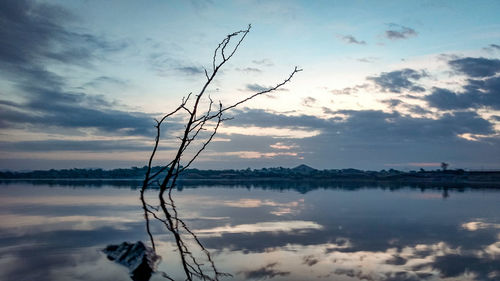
{"x": 280, "y": 231}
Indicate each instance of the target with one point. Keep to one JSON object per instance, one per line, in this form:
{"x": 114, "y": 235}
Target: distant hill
{"x": 303, "y": 169}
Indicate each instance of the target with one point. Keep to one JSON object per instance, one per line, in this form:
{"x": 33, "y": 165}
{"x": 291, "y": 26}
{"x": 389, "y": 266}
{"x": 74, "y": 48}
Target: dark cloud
{"x": 397, "y": 32}
{"x": 74, "y": 145}
{"x": 159, "y": 62}
{"x": 260, "y": 88}
{"x": 446, "y": 99}
{"x": 476, "y": 67}
{"x": 266, "y": 272}
{"x": 256, "y": 87}
{"x": 392, "y": 102}
{"x": 349, "y": 39}
{"x": 396, "y": 260}
{"x": 164, "y": 64}
{"x": 398, "y": 80}
{"x": 49, "y": 107}
{"x": 310, "y": 260}
{"x": 105, "y": 80}
{"x": 327, "y": 110}
{"x": 476, "y": 94}
{"x": 33, "y": 35}
{"x": 309, "y": 101}
{"x": 492, "y": 48}
{"x": 354, "y": 274}
{"x": 249, "y": 70}
{"x": 372, "y": 138}
{"x": 363, "y": 125}
{"x": 349, "y": 90}
{"x": 374, "y": 124}
{"x": 190, "y": 70}
{"x": 262, "y": 118}
{"x": 28, "y": 30}
{"x": 417, "y": 109}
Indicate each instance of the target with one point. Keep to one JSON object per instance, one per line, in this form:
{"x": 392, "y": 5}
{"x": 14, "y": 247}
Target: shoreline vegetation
{"x": 270, "y": 175}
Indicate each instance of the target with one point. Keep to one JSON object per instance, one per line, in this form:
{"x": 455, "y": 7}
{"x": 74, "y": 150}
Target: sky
{"x": 385, "y": 84}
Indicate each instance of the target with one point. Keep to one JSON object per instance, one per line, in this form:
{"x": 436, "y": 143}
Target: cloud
{"x": 310, "y": 260}
{"x": 164, "y": 63}
{"x": 367, "y": 59}
{"x": 327, "y": 110}
{"x": 372, "y": 138}
{"x": 309, "y": 101}
{"x": 417, "y": 109}
{"x": 105, "y": 80}
{"x": 363, "y": 125}
{"x": 398, "y": 80}
{"x": 283, "y": 145}
{"x": 266, "y": 272}
{"x": 392, "y": 102}
{"x": 495, "y": 46}
{"x": 190, "y": 70}
{"x": 373, "y": 125}
{"x": 34, "y": 34}
{"x": 34, "y": 37}
{"x": 479, "y": 225}
{"x": 476, "y": 67}
{"x": 349, "y": 90}
{"x": 249, "y": 70}
{"x": 492, "y": 48}
{"x": 263, "y": 62}
{"x": 275, "y": 226}
{"x": 476, "y": 94}
{"x": 349, "y": 39}
{"x": 74, "y": 145}
{"x": 256, "y": 87}
{"x": 262, "y": 118}
{"x": 446, "y": 99}
{"x": 72, "y": 110}
{"x": 480, "y": 90}
{"x": 397, "y": 32}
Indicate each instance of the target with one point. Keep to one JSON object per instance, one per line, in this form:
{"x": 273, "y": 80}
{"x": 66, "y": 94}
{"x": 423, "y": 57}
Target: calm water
{"x": 280, "y": 232}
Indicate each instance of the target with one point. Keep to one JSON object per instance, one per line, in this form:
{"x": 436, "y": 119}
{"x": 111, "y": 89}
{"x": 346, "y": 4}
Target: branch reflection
{"x": 196, "y": 260}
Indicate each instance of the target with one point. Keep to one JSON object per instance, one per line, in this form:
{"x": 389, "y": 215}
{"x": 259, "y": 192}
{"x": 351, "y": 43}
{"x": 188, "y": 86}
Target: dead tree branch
{"x": 202, "y": 124}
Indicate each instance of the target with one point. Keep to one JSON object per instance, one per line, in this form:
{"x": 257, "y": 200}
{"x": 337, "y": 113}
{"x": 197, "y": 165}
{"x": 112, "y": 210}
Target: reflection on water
{"x": 287, "y": 231}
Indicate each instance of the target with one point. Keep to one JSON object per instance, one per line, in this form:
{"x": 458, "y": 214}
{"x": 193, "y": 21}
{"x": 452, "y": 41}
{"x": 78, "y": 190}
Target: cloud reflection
{"x": 292, "y": 207}
{"x": 477, "y": 225}
{"x": 279, "y": 226}
{"x": 73, "y": 222}
{"x": 438, "y": 261}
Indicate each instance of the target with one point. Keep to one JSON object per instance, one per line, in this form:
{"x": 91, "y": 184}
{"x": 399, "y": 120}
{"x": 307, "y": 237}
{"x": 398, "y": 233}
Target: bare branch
{"x": 193, "y": 142}
{"x": 206, "y": 73}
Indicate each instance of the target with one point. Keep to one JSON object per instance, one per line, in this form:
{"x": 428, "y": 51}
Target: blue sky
{"x": 386, "y": 84}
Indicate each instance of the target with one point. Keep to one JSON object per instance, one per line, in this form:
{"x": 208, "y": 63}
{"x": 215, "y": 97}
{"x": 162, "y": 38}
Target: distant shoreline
{"x": 400, "y": 181}
{"x": 302, "y": 173}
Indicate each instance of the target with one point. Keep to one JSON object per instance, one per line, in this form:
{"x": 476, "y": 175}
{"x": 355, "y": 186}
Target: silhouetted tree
{"x": 444, "y": 166}
{"x": 203, "y": 118}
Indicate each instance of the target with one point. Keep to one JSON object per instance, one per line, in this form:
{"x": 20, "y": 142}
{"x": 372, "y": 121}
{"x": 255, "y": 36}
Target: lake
{"x": 55, "y": 230}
